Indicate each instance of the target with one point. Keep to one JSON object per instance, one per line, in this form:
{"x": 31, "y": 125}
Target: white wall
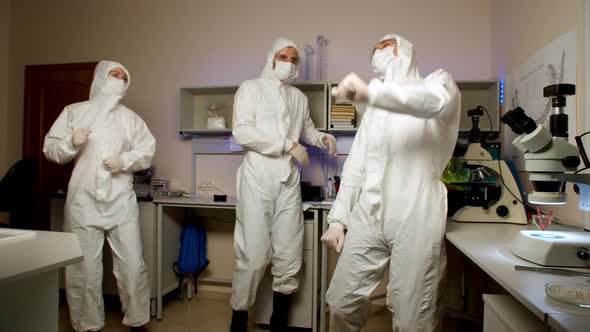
{"x": 170, "y": 44}
{"x": 519, "y": 29}
{"x": 4, "y": 58}
{"x": 167, "y": 45}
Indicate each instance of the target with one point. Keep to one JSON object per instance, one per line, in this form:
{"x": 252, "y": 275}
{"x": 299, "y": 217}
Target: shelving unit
{"x": 193, "y": 104}
{"x": 317, "y": 98}
{"x": 481, "y": 92}
{"x": 194, "y": 113}
{"x": 360, "y": 111}
{"x": 473, "y": 93}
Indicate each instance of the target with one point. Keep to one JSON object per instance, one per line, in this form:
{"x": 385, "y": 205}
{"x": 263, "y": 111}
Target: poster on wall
{"x": 554, "y": 63}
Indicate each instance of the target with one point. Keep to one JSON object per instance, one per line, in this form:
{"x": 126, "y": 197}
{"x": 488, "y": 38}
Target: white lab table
{"x": 489, "y": 246}
{"x": 29, "y": 280}
{"x": 180, "y": 202}
{"x": 165, "y": 252}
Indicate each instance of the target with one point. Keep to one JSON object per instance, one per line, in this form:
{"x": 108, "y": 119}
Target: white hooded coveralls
{"x": 392, "y": 201}
{"x": 100, "y": 203}
{"x": 269, "y": 115}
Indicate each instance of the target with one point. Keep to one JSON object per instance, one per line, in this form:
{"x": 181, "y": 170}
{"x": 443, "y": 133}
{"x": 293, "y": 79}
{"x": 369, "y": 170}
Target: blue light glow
{"x": 501, "y": 92}
{"x": 547, "y": 236}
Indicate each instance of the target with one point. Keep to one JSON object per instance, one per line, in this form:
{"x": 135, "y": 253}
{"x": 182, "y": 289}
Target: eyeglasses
{"x": 287, "y": 58}
{"x": 383, "y": 45}
{"x": 118, "y": 74}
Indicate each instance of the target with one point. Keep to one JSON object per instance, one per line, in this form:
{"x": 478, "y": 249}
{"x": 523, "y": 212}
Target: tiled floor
{"x": 203, "y": 315}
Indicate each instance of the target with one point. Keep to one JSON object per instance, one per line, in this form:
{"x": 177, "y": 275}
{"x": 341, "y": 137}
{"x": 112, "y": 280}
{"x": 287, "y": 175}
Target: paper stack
{"x": 343, "y": 116}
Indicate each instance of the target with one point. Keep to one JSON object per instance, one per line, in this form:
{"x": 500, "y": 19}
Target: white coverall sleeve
{"x": 428, "y": 98}
{"x": 58, "y": 146}
{"x": 244, "y": 128}
{"x": 353, "y": 176}
{"x": 143, "y": 147}
{"x": 311, "y": 135}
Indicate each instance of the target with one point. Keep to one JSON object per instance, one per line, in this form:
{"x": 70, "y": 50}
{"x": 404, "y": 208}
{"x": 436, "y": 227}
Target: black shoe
{"x": 239, "y": 321}
{"x": 281, "y": 306}
{"x": 142, "y": 328}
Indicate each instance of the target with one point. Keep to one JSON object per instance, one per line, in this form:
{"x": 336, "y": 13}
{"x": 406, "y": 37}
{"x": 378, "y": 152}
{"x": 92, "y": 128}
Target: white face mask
{"x": 285, "y": 71}
{"x": 381, "y": 60}
{"x": 113, "y": 87}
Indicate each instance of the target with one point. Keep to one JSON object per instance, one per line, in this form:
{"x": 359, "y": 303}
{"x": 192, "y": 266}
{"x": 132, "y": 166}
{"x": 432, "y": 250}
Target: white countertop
{"x": 567, "y": 323}
{"x": 199, "y": 201}
{"x": 489, "y": 246}
{"x": 45, "y": 252}
{"x": 323, "y": 205}
{"x": 207, "y": 201}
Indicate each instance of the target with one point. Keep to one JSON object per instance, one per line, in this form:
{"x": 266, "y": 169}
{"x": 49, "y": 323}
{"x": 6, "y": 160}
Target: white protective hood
{"x": 278, "y": 44}
{"x": 403, "y": 66}
{"x": 101, "y": 73}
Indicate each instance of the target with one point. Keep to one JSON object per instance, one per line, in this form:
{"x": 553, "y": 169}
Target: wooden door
{"x": 48, "y": 89}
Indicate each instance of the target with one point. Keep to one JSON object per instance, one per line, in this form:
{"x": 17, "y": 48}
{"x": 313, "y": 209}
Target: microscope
{"x": 492, "y": 194}
{"x": 550, "y": 161}
{"x": 549, "y": 158}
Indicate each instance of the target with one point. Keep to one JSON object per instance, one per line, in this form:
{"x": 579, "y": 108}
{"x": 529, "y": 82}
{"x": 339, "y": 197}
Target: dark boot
{"x": 138, "y": 329}
{"x": 281, "y": 306}
{"x": 239, "y": 321}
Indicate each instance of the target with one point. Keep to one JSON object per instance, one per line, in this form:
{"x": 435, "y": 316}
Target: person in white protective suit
{"x": 391, "y": 200}
{"x": 270, "y": 116}
{"x": 108, "y": 142}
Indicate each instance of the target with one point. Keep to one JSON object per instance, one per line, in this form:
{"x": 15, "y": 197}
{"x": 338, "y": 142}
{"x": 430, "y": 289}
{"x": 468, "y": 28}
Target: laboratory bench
{"x": 489, "y": 247}
{"x": 29, "y": 279}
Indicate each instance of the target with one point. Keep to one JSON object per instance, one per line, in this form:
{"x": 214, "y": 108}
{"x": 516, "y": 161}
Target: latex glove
{"x": 334, "y": 237}
{"x": 80, "y": 136}
{"x": 300, "y": 154}
{"x": 113, "y": 164}
{"x": 352, "y": 88}
{"x": 329, "y": 142}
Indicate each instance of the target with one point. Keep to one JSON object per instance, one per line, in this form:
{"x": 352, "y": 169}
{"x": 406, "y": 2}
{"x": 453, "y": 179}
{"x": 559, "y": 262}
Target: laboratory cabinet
{"x": 209, "y": 110}
{"x": 503, "y": 313}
